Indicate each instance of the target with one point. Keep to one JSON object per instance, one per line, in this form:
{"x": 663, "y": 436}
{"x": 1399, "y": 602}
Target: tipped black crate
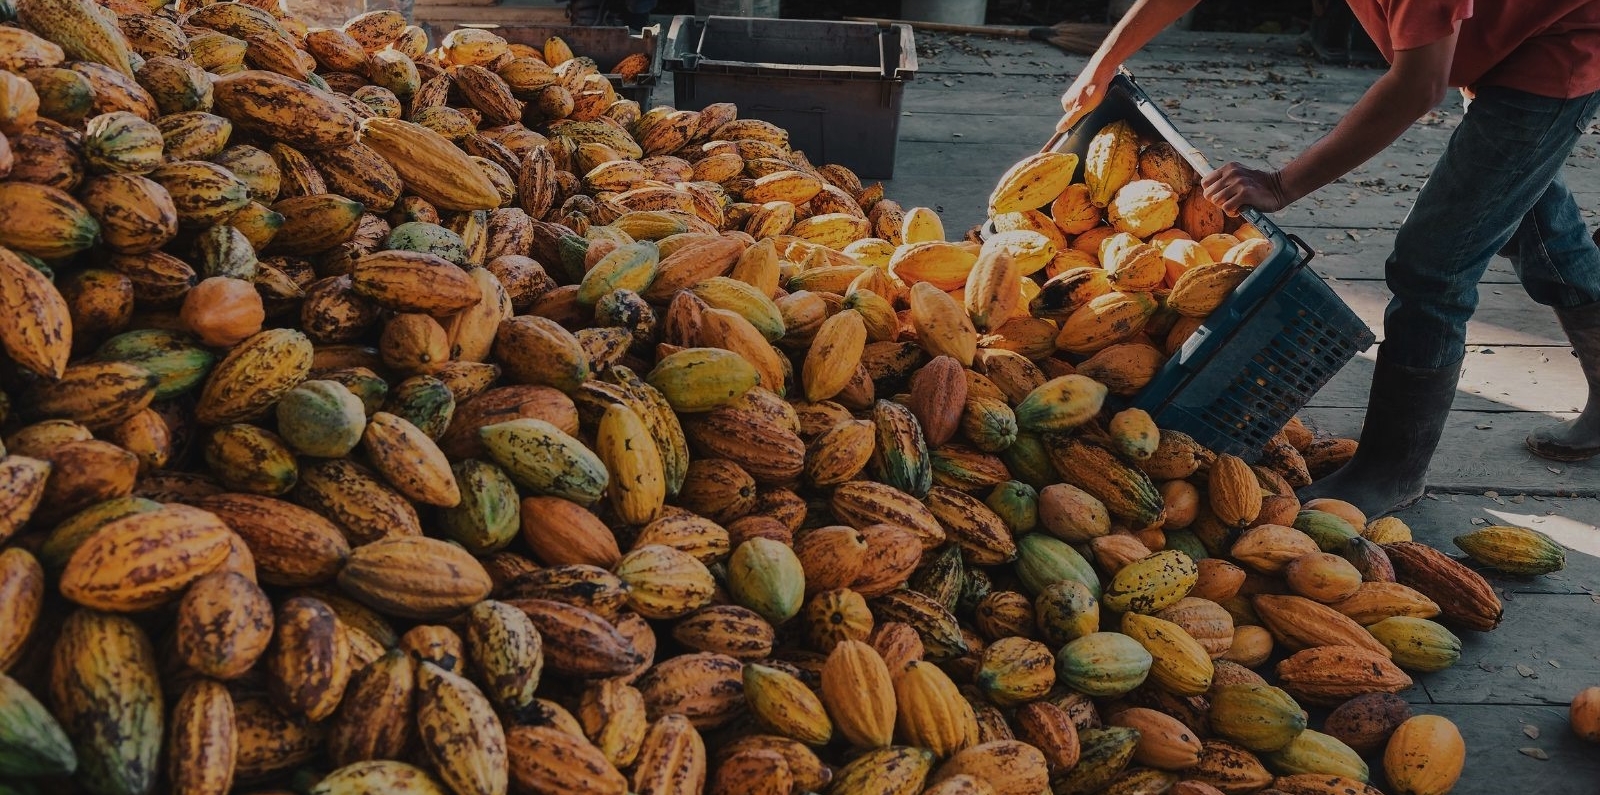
{"x": 835, "y": 86}
{"x": 1272, "y": 344}
{"x": 1257, "y": 360}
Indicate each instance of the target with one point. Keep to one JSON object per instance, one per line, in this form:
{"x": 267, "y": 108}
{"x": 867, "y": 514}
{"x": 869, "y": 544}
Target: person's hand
{"x": 1083, "y": 95}
{"x": 1235, "y": 186}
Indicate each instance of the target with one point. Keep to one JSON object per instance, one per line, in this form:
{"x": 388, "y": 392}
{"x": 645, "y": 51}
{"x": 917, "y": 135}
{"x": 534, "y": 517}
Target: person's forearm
{"x": 1380, "y": 117}
{"x": 1136, "y": 28}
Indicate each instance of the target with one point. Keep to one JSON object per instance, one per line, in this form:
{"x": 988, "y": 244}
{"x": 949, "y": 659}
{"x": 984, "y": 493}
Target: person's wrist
{"x": 1282, "y": 187}
{"x": 1098, "y": 67}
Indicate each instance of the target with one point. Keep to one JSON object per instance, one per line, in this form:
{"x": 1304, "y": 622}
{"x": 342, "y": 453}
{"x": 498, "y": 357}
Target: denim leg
{"x": 1555, "y": 257}
{"x": 1500, "y": 161}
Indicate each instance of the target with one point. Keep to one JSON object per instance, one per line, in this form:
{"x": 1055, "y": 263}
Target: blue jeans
{"x": 1497, "y": 188}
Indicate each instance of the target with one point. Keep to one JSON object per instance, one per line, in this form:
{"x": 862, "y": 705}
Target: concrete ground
{"x": 979, "y": 105}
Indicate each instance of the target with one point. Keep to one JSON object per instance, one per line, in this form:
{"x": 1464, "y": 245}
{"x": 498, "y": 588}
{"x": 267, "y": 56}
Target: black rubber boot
{"x": 1577, "y": 439}
{"x": 1406, "y": 413}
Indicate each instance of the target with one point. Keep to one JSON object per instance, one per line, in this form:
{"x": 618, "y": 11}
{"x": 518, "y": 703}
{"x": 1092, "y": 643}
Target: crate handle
{"x": 1270, "y": 228}
{"x": 1306, "y": 250}
{"x": 1203, "y": 341}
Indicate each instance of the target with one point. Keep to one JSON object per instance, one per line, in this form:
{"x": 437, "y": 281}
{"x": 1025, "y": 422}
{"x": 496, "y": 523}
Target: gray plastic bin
{"x": 835, "y": 86}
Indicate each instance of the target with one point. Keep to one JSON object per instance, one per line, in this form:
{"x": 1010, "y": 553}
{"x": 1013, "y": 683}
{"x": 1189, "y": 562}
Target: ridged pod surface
{"x": 286, "y": 109}
{"x": 1032, "y": 182}
{"x": 107, "y": 695}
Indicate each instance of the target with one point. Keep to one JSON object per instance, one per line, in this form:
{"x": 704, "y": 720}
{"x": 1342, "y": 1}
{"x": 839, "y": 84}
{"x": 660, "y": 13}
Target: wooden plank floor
{"x": 978, "y": 106}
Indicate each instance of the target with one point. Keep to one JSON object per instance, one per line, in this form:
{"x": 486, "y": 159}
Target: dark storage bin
{"x": 1270, "y": 346}
{"x": 607, "y": 46}
{"x": 835, "y": 86}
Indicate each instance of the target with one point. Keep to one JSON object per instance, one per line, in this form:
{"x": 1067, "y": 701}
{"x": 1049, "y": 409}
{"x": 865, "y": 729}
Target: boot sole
{"x": 1573, "y": 457}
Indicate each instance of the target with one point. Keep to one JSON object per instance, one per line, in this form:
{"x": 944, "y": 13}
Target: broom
{"x": 1077, "y": 38}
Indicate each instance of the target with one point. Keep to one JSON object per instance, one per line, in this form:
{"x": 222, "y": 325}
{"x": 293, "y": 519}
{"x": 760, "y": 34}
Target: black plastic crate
{"x": 835, "y": 86}
{"x": 1271, "y": 345}
{"x": 1239, "y": 378}
{"x": 606, "y": 45}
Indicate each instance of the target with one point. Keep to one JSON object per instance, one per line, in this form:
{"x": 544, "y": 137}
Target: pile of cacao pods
{"x": 380, "y": 418}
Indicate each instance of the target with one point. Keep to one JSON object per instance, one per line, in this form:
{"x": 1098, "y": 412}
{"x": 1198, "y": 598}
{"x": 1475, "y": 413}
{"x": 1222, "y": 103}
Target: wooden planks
{"x": 1438, "y": 520}
{"x": 937, "y": 127}
{"x": 961, "y": 201}
{"x": 1534, "y": 378}
{"x": 1505, "y": 314}
{"x": 1220, "y": 54}
{"x": 976, "y": 161}
{"x": 1496, "y": 766}
{"x": 1513, "y": 664}
{"x": 1484, "y": 451}
{"x": 1359, "y": 254}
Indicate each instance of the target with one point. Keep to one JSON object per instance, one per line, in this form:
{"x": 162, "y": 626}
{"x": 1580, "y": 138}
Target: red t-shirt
{"x": 1545, "y": 47}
